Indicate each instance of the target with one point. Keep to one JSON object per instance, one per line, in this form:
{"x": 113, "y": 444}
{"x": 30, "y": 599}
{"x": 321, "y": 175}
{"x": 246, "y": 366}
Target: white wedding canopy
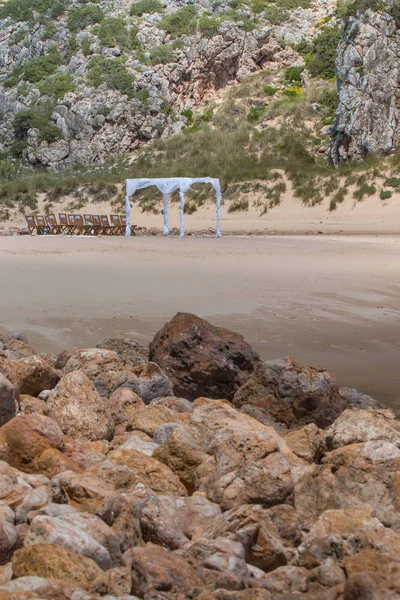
{"x": 166, "y": 186}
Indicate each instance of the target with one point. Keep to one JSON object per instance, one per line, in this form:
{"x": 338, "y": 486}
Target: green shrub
{"x": 259, "y": 6}
{"x": 395, "y": 12}
{"x": 364, "y": 190}
{"x": 56, "y": 85}
{"x": 49, "y": 31}
{"x": 293, "y": 75}
{"x": 181, "y": 22}
{"x": 385, "y": 194}
{"x": 240, "y": 204}
{"x": 17, "y": 148}
{"x": 82, "y": 16}
{"x": 188, "y": 114}
{"x": 209, "y": 25}
{"x": 349, "y": 8}
{"x": 292, "y": 92}
{"x": 269, "y": 90}
{"x": 275, "y": 14}
{"x": 19, "y": 36}
{"x": 112, "y": 72}
{"x": 39, "y": 67}
{"x": 329, "y": 100}
{"x": 163, "y": 55}
{"x": 37, "y": 117}
{"x": 85, "y": 46}
{"x": 21, "y": 10}
{"x": 113, "y": 32}
{"x": 142, "y": 95}
{"x": 393, "y": 182}
{"x": 256, "y": 113}
{"x": 322, "y": 61}
{"x": 142, "y": 7}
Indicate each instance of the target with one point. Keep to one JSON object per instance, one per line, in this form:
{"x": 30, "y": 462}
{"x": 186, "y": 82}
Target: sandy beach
{"x": 330, "y": 301}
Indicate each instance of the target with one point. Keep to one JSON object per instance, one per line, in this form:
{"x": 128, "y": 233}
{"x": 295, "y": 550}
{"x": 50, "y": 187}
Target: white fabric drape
{"x": 167, "y": 186}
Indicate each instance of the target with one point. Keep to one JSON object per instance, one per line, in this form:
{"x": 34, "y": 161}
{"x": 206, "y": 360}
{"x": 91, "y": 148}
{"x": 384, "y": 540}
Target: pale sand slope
{"x": 370, "y": 216}
{"x": 331, "y": 301}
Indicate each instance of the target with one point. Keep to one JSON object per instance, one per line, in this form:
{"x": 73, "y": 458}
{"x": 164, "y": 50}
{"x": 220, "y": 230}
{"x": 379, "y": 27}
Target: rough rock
{"x": 149, "y": 381}
{"x": 29, "y": 404}
{"x": 92, "y": 525}
{"x": 356, "y": 476}
{"x": 179, "y": 405}
{"x": 86, "y": 492}
{"x": 307, "y": 442}
{"x": 120, "y": 400}
{"x": 31, "y": 375}
{"x": 354, "y": 426}
{"x": 181, "y": 453}
{"x": 129, "y": 351}
{"x": 126, "y": 468}
{"x": 100, "y": 366}
{"x": 154, "y": 571}
{"x": 134, "y": 441}
{"x": 252, "y": 462}
{"x": 292, "y": 394}
{"x": 8, "y": 400}
{"x": 252, "y": 527}
{"x": 79, "y": 410}
{"x": 25, "y": 438}
{"x": 367, "y": 117}
{"x": 51, "y": 530}
{"x": 9, "y": 541}
{"x": 201, "y": 359}
{"x": 54, "y": 562}
{"x": 150, "y": 418}
{"x": 356, "y": 399}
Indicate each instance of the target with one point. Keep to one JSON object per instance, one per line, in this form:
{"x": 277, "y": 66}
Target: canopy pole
{"x": 218, "y": 192}
{"x": 182, "y": 213}
{"x": 127, "y": 213}
{"x": 165, "y": 198}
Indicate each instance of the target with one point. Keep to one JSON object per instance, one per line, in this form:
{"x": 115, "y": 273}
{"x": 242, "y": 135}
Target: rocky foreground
{"x": 202, "y": 474}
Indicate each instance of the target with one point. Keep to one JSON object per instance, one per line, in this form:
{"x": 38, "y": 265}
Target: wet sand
{"x": 330, "y": 301}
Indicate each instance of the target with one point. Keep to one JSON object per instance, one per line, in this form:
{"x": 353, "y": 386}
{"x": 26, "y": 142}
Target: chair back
{"x": 79, "y": 221}
{"x": 40, "y": 221}
{"x": 115, "y": 220}
{"x": 51, "y": 220}
{"x": 62, "y": 217}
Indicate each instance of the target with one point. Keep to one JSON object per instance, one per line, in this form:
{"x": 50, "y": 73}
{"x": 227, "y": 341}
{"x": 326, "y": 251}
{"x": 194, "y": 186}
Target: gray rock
{"x": 8, "y": 400}
{"x": 51, "y": 530}
{"x": 368, "y": 66}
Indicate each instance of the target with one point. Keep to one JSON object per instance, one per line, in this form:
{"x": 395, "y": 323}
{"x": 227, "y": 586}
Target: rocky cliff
{"x": 83, "y": 82}
{"x": 368, "y": 70}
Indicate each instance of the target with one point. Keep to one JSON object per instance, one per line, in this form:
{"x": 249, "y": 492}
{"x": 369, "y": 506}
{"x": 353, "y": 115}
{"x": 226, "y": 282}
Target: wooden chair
{"x": 89, "y": 225}
{"x": 96, "y": 224}
{"x": 80, "y": 226}
{"x": 64, "y": 225}
{"x": 106, "y": 229}
{"x": 123, "y": 223}
{"x": 72, "y": 224}
{"x": 30, "y": 221}
{"x": 116, "y": 223}
{"x": 54, "y": 227}
{"x": 41, "y": 225}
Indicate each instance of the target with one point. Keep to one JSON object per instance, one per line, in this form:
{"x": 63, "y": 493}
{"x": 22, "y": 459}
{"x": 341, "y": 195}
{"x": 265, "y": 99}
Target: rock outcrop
{"x": 196, "y": 499}
{"x": 367, "y": 66}
{"x": 202, "y": 360}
